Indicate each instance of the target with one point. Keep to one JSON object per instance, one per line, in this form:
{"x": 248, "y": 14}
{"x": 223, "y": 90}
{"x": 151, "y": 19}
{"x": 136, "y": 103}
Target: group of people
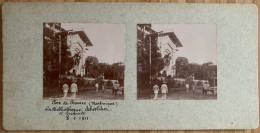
{"x": 205, "y": 87}
{"x": 114, "y": 91}
{"x": 73, "y": 89}
{"x": 164, "y": 90}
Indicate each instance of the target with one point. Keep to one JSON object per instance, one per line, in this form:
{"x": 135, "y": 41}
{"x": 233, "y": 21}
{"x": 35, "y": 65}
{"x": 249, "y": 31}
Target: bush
{"x": 88, "y": 84}
{"x": 98, "y": 80}
{"x": 155, "y": 81}
{"x": 69, "y": 82}
{"x": 109, "y": 83}
{"x": 170, "y": 82}
{"x": 63, "y": 81}
{"x": 177, "y": 84}
{"x": 80, "y": 81}
{"x": 199, "y": 84}
{"x": 189, "y": 80}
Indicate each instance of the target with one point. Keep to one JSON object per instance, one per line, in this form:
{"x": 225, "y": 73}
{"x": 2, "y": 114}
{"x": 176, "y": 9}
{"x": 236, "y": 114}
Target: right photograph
{"x": 176, "y": 61}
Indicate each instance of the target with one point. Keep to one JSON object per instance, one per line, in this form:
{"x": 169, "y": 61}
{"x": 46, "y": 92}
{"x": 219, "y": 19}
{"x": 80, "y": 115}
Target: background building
{"x": 78, "y": 43}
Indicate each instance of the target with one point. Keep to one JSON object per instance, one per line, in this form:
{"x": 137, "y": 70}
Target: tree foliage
{"x": 205, "y": 71}
{"x": 52, "y": 43}
{"x": 183, "y": 68}
{"x": 146, "y": 44}
{"x": 95, "y": 69}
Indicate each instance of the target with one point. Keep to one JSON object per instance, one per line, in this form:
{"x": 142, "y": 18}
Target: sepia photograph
{"x": 83, "y": 61}
{"x": 176, "y": 61}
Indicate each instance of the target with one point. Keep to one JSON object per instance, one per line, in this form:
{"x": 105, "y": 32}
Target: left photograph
{"x": 83, "y": 61}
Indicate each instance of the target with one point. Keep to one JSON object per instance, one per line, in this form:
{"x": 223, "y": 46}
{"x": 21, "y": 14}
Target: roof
{"x": 147, "y": 27}
{"x": 173, "y": 37}
{"x": 83, "y": 36}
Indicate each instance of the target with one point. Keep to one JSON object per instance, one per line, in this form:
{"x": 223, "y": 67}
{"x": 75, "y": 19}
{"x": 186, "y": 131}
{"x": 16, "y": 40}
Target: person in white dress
{"x": 96, "y": 85}
{"x": 74, "y": 90}
{"x": 155, "y": 90}
{"x": 65, "y": 89}
{"x": 193, "y": 87}
{"x": 164, "y": 90}
{"x": 103, "y": 87}
{"x": 187, "y": 87}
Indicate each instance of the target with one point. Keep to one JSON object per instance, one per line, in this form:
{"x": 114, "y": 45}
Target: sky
{"x": 108, "y": 40}
{"x": 199, "y": 41}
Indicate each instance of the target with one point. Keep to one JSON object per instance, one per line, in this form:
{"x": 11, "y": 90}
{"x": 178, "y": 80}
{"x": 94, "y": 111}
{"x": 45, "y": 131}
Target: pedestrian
{"x": 164, "y": 90}
{"x": 193, "y": 86}
{"x": 65, "y": 89}
{"x": 115, "y": 88}
{"x": 103, "y": 87}
{"x": 96, "y": 85}
{"x": 74, "y": 89}
{"x": 187, "y": 87}
{"x": 205, "y": 88}
{"x": 155, "y": 90}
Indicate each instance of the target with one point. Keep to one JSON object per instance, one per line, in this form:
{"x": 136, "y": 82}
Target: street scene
{"x": 83, "y": 61}
{"x": 176, "y": 62}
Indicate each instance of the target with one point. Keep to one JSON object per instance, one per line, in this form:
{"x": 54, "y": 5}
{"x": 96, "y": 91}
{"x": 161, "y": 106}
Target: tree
{"x": 67, "y": 61}
{"x": 50, "y": 58}
{"x": 208, "y": 70}
{"x": 210, "y": 73}
{"x": 144, "y": 42}
{"x": 205, "y": 71}
{"x": 51, "y": 46}
{"x": 183, "y": 69}
{"x": 196, "y": 70}
{"x": 91, "y": 66}
{"x": 95, "y": 69}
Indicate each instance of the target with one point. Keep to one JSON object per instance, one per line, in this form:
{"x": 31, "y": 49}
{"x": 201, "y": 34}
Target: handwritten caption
{"x": 80, "y": 111}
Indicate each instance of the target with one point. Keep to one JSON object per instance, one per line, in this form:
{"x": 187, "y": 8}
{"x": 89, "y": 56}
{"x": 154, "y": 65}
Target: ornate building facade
{"x": 167, "y": 43}
{"x": 78, "y": 43}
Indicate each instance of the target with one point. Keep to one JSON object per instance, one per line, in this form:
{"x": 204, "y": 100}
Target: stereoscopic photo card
{"x": 129, "y": 66}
